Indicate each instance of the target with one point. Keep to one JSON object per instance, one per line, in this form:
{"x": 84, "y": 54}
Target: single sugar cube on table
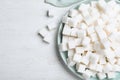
{"x": 47, "y": 38}
{"x": 43, "y": 32}
{"x": 50, "y": 13}
{"x": 51, "y": 26}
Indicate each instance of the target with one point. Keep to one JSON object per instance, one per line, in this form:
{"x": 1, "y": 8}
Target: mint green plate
{"x": 63, "y": 55}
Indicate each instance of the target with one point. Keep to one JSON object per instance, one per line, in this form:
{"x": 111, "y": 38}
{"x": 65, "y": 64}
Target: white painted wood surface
{"x": 23, "y": 55}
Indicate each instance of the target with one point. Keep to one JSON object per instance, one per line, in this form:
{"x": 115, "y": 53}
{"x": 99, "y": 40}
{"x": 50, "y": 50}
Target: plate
{"x": 63, "y": 55}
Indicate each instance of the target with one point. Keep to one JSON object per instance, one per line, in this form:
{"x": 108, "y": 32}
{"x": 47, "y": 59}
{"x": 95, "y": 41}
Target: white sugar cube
{"x": 70, "y": 62}
{"x": 71, "y": 52}
{"x": 95, "y": 14}
{"x": 94, "y": 58}
{"x": 66, "y": 31}
{"x": 101, "y": 75}
{"x": 102, "y": 60}
{"x": 66, "y": 19}
{"x": 92, "y": 67}
{"x": 89, "y": 20}
{"x": 84, "y": 7}
{"x": 101, "y": 33}
{"x": 47, "y": 38}
{"x": 102, "y": 5}
{"x": 100, "y": 22}
{"x": 71, "y": 38}
{"x": 85, "y": 60}
{"x": 106, "y": 43}
{"x": 83, "y": 26}
{"x": 111, "y": 75}
{"x": 94, "y": 4}
{"x": 50, "y": 13}
{"x": 43, "y": 32}
{"x": 85, "y": 41}
{"x": 99, "y": 67}
{"x": 97, "y": 46}
{"x": 90, "y": 30}
{"x": 88, "y": 73}
{"x": 73, "y": 22}
{"x": 94, "y": 37}
{"x": 51, "y": 26}
{"x": 71, "y": 44}
{"x": 112, "y": 60}
{"x": 80, "y": 68}
{"x": 105, "y": 18}
{"x": 73, "y": 12}
{"x": 118, "y": 61}
{"x": 81, "y": 33}
{"x": 78, "y": 41}
{"x": 77, "y": 57}
{"x": 109, "y": 53}
{"x": 79, "y": 50}
{"x": 107, "y": 68}
{"x": 65, "y": 39}
{"x": 63, "y": 47}
{"x": 74, "y": 32}
{"x": 111, "y": 28}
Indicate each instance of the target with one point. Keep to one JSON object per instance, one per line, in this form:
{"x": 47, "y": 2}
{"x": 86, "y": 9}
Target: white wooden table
{"x": 23, "y": 55}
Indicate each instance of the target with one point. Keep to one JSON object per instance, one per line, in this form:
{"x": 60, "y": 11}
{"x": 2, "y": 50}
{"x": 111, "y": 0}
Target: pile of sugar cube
{"x": 91, "y": 37}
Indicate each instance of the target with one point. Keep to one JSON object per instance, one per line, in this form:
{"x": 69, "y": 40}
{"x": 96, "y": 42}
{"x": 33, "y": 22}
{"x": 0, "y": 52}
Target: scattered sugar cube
{"x": 50, "y": 13}
{"x": 43, "y": 32}
{"x": 51, "y": 26}
{"x": 47, "y": 38}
